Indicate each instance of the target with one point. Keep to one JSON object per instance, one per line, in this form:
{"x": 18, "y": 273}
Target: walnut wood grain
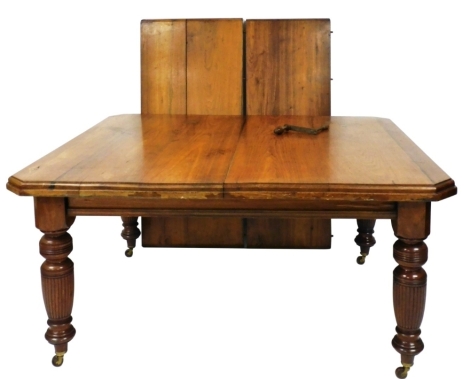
{"x": 192, "y": 66}
{"x": 162, "y": 155}
{"x": 355, "y": 159}
{"x": 214, "y": 67}
{"x": 196, "y": 68}
{"x": 190, "y": 157}
{"x": 289, "y": 233}
{"x": 288, "y": 67}
{"x": 288, "y": 73}
{"x": 57, "y": 276}
{"x": 163, "y": 66}
{"x": 188, "y": 230}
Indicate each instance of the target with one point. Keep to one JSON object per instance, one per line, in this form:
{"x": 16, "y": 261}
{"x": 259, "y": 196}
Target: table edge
{"x": 314, "y": 191}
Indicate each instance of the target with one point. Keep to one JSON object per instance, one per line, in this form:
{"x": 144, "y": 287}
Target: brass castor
{"x": 129, "y": 252}
{"x": 402, "y": 372}
{"x": 58, "y": 359}
{"x": 361, "y": 259}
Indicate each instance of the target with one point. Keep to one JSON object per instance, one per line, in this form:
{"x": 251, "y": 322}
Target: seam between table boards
{"x": 233, "y": 155}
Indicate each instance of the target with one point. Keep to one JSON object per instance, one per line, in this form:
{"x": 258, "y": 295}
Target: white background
{"x": 199, "y": 313}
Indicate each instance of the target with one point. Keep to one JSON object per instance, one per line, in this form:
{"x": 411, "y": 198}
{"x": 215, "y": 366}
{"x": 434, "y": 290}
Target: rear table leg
{"x": 365, "y": 240}
{"x": 130, "y": 233}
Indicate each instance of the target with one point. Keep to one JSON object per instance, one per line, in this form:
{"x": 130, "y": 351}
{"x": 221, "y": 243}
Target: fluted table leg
{"x": 56, "y": 272}
{"x": 409, "y": 280}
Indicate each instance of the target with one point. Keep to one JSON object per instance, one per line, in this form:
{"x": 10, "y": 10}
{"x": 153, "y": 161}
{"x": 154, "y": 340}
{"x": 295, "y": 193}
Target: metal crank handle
{"x": 283, "y": 129}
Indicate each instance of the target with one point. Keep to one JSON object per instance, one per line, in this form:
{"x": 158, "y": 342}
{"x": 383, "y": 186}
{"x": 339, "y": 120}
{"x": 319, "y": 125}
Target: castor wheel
{"x": 129, "y": 252}
{"x": 361, "y": 260}
{"x": 402, "y": 372}
{"x": 57, "y": 360}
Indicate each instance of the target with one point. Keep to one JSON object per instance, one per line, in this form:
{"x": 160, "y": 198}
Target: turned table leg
{"x": 130, "y": 233}
{"x": 409, "y": 280}
{"x": 56, "y": 272}
{"x": 365, "y": 240}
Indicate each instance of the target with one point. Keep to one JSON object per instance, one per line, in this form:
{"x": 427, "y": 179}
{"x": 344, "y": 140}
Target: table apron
{"x": 230, "y": 208}
{"x": 233, "y": 213}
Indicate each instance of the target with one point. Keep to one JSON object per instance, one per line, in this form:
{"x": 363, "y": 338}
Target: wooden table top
{"x": 203, "y": 157}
